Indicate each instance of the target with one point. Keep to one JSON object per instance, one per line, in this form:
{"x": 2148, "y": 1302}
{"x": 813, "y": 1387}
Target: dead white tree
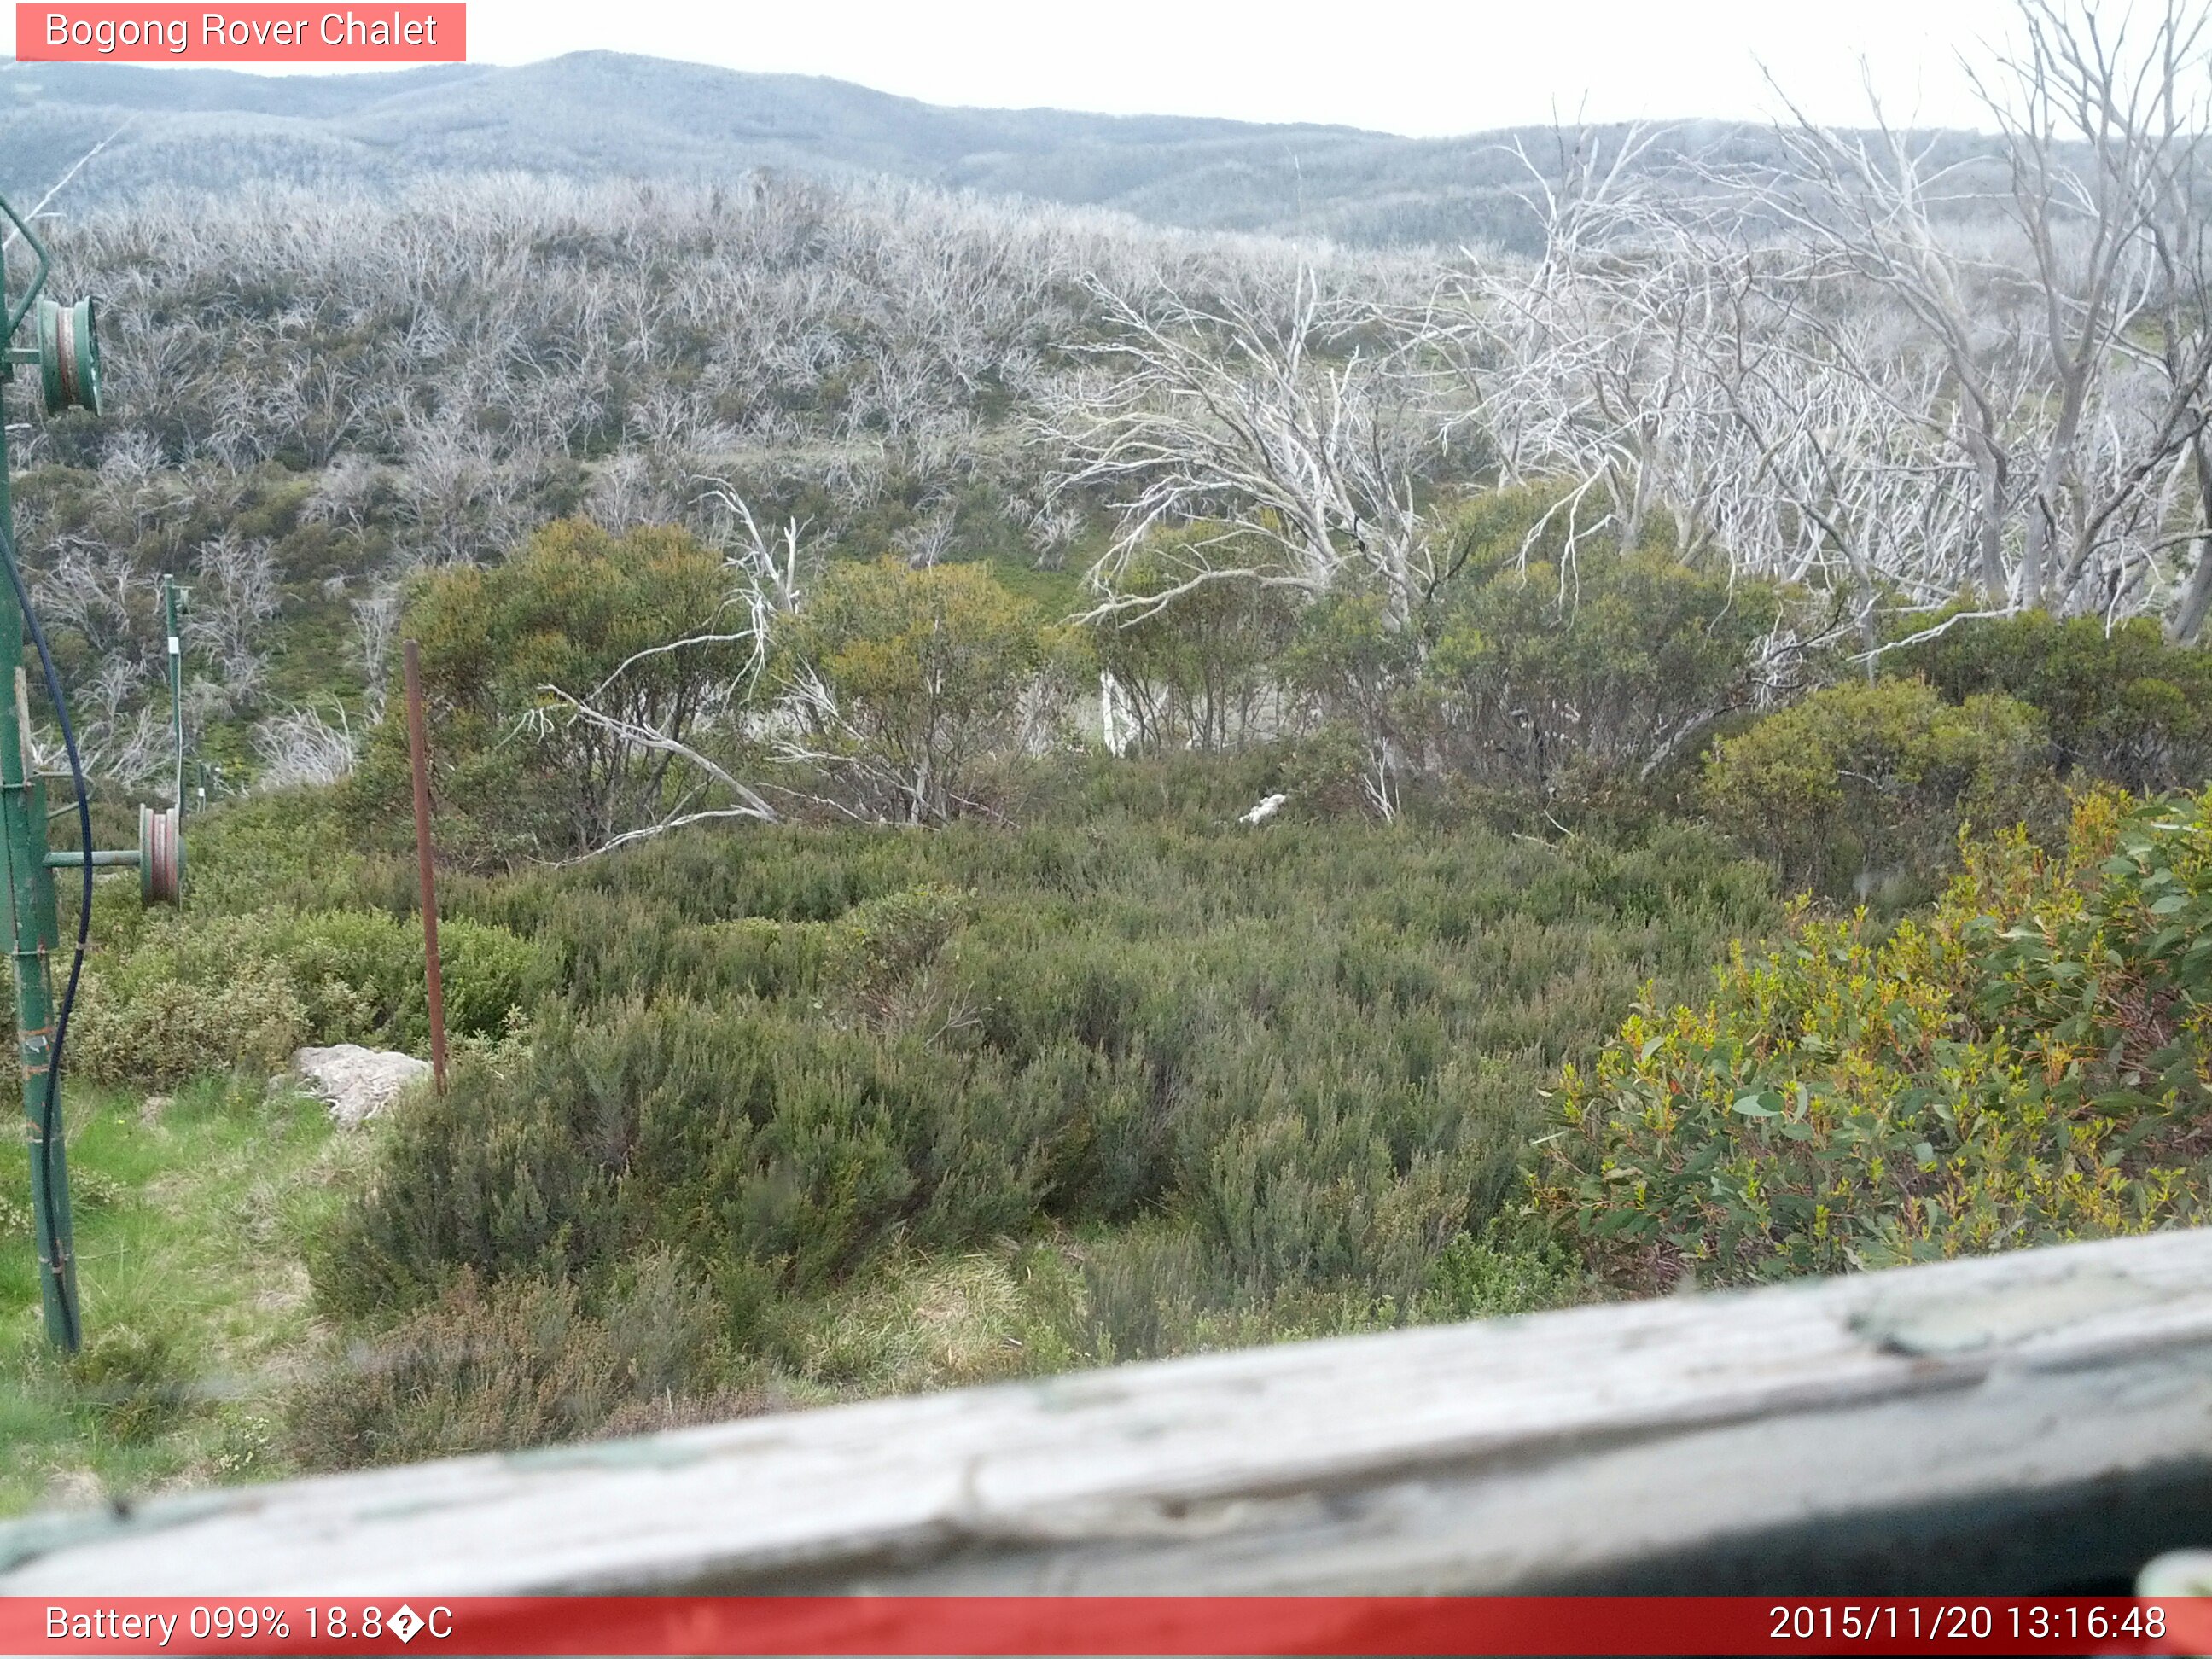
{"x": 2100, "y": 131}
{"x": 1287, "y": 434}
{"x": 1585, "y": 367}
{"x": 771, "y": 568}
{"x": 233, "y": 600}
{"x": 930, "y": 536}
{"x": 375, "y": 627}
{"x": 2180, "y": 235}
{"x": 298, "y": 747}
{"x": 1836, "y": 467}
{"x": 1838, "y": 370}
{"x": 122, "y": 733}
{"x": 671, "y": 737}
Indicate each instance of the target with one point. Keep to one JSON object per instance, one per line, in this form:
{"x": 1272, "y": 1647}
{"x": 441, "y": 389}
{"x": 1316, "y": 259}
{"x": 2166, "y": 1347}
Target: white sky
{"x": 1424, "y": 67}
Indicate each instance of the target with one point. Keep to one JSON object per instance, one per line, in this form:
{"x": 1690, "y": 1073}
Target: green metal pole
{"x": 176, "y": 685}
{"x": 32, "y": 935}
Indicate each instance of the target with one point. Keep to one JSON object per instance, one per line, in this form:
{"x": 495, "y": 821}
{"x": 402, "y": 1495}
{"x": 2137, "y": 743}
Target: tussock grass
{"x": 191, "y": 1268}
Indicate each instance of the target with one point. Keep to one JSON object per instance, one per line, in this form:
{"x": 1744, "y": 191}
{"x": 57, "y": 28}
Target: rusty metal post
{"x": 419, "y": 756}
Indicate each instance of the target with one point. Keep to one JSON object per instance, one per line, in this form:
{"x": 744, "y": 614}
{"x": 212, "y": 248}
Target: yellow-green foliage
{"x": 930, "y": 670}
{"x": 198, "y": 993}
{"x": 1876, "y": 778}
{"x": 515, "y": 776}
{"x": 2027, "y": 1064}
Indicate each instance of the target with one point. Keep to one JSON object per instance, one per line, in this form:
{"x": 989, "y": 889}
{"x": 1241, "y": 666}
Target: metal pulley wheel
{"x": 69, "y": 356}
{"x": 161, "y": 856}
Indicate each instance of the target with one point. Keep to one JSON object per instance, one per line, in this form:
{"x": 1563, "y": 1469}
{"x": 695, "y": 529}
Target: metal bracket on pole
{"x": 172, "y": 599}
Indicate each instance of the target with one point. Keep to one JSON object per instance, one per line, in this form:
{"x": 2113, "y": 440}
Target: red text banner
{"x": 1194, "y": 1626}
{"x": 261, "y": 33}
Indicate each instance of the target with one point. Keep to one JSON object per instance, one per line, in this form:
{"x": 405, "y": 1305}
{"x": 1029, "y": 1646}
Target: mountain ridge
{"x": 596, "y": 115}
{"x": 601, "y": 114}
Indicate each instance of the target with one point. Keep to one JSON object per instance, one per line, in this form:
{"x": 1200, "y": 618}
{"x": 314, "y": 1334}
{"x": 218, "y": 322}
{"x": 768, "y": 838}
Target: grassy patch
{"x": 192, "y": 1214}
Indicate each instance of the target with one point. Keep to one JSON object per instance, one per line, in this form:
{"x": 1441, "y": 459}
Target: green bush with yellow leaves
{"x": 2025, "y": 1065}
{"x": 1866, "y": 786}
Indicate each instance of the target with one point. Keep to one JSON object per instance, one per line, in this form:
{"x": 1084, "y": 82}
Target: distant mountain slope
{"x": 594, "y": 114}
{"x": 599, "y": 114}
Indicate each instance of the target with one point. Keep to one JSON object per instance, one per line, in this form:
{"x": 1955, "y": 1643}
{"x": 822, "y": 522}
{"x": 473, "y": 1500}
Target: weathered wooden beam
{"x": 2034, "y": 1421}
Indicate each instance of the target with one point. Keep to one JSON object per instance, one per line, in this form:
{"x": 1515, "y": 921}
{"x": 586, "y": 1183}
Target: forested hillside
{"x": 1017, "y": 790}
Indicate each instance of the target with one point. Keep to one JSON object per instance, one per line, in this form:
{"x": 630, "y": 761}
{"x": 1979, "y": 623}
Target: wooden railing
{"x": 2032, "y": 1422}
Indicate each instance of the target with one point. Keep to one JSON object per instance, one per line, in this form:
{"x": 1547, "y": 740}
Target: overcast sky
{"x": 1425, "y": 67}
{"x": 1413, "y": 66}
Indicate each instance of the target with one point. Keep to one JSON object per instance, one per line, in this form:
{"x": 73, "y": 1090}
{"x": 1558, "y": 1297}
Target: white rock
{"x": 358, "y": 1082}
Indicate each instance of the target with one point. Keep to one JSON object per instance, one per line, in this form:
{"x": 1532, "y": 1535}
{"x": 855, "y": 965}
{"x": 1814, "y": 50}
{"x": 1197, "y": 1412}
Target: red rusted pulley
{"x": 161, "y": 856}
{"x": 69, "y": 356}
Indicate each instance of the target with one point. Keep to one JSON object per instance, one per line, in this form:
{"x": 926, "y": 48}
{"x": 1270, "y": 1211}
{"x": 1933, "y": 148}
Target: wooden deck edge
{"x": 2044, "y": 1416}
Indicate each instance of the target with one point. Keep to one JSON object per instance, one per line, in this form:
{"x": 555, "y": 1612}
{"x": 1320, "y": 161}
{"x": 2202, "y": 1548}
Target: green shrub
{"x": 136, "y": 1383}
{"x": 145, "y": 1027}
{"x": 2028, "y": 1065}
{"x": 196, "y": 993}
{"x": 515, "y": 776}
{"x": 292, "y": 849}
{"x": 1548, "y": 671}
{"x": 361, "y": 974}
{"x": 1315, "y": 1048}
{"x": 1145, "y": 1293}
{"x": 664, "y": 1326}
{"x": 1859, "y": 785}
{"x": 1484, "y": 1278}
{"x": 927, "y": 675}
{"x": 1337, "y": 770}
{"x": 518, "y": 1364}
{"x": 1530, "y": 668}
{"x": 784, "y": 1153}
{"x": 515, "y": 1366}
{"x": 1199, "y": 673}
{"x": 2117, "y": 704}
{"x": 1157, "y": 1288}
{"x": 883, "y": 943}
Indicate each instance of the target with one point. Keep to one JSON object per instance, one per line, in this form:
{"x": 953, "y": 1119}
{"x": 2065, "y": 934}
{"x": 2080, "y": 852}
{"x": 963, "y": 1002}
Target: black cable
{"x": 50, "y": 1114}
